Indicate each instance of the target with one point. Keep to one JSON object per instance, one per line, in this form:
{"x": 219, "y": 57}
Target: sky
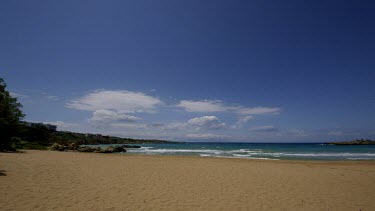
{"x": 241, "y": 71}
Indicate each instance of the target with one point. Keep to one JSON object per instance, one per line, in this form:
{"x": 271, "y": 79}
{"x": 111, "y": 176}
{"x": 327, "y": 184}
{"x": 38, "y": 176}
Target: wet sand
{"x": 45, "y": 180}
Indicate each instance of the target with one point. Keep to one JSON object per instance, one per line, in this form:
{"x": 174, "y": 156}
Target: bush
{"x": 34, "y": 146}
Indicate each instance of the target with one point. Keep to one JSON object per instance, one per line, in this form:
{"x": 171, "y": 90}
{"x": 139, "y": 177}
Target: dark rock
{"x": 87, "y": 149}
{"x": 73, "y": 146}
{"x": 131, "y": 146}
{"x": 57, "y": 147}
{"x": 112, "y": 149}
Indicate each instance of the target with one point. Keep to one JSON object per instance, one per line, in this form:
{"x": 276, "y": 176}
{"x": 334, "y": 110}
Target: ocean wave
{"x": 344, "y": 154}
{"x": 179, "y": 150}
{"x": 241, "y": 155}
{"x": 361, "y": 158}
{"x": 205, "y": 155}
{"x": 254, "y": 158}
{"x": 253, "y": 153}
{"x": 262, "y": 158}
{"x": 308, "y": 154}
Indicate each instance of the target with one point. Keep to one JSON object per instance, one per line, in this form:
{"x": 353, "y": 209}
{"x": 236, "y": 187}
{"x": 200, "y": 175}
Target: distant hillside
{"x": 39, "y": 136}
{"x": 87, "y": 138}
{"x": 355, "y": 142}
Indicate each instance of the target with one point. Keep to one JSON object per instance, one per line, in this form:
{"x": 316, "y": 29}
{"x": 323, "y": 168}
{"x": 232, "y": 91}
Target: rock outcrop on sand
{"x": 76, "y": 147}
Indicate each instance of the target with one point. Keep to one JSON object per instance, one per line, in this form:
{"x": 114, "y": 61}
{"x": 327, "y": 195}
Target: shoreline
{"x": 248, "y": 158}
{"x": 211, "y": 157}
{"x": 291, "y": 151}
{"x": 45, "y": 180}
{"x": 255, "y": 159}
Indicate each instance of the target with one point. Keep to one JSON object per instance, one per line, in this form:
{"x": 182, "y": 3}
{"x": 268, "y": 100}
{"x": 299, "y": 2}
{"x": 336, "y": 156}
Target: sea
{"x": 265, "y": 151}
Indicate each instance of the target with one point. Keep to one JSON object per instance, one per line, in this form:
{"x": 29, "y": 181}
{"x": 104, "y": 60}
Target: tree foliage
{"x": 10, "y": 117}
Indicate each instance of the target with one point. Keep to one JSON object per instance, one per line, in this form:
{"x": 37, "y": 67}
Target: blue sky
{"x": 254, "y": 71}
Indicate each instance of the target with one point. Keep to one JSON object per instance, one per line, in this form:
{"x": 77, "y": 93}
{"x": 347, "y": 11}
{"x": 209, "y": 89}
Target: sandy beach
{"x": 46, "y": 180}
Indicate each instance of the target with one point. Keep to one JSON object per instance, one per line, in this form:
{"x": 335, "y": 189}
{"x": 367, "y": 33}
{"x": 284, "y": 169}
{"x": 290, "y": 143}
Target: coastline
{"x": 44, "y": 180}
{"x": 290, "y": 151}
{"x": 247, "y": 159}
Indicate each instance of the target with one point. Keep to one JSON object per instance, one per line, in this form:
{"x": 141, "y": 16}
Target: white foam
{"x": 243, "y": 151}
{"x": 181, "y": 150}
{"x": 241, "y": 155}
{"x": 255, "y": 158}
{"x": 205, "y": 155}
{"x": 262, "y": 158}
{"x": 343, "y": 154}
{"x": 360, "y": 158}
{"x": 253, "y": 153}
{"x": 281, "y": 154}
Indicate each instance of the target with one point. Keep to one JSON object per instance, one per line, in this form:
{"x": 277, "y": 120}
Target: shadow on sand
{"x": 2, "y": 173}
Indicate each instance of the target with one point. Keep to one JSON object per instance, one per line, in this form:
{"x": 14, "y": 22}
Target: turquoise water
{"x": 261, "y": 151}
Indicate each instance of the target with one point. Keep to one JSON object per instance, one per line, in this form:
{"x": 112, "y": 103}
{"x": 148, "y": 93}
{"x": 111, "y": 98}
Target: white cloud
{"x": 53, "y": 98}
{"x": 296, "y": 132}
{"x": 245, "y": 119}
{"x": 103, "y": 116}
{"x": 129, "y": 126}
{"x": 242, "y": 120}
{"x": 202, "y": 106}
{"x": 335, "y": 133}
{"x": 266, "y": 128}
{"x": 121, "y": 101}
{"x": 174, "y": 126}
{"x": 62, "y": 125}
{"x": 206, "y": 136}
{"x": 257, "y": 110}
{"x": 218, "y": 106}
{"x": 206, "y": 122}
{"x": 16, "y": 95}
{"x": 116, "y": 112}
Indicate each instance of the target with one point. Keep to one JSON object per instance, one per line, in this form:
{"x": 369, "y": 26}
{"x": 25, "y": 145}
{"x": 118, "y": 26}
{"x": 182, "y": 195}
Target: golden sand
{"x": 45, "y": 180}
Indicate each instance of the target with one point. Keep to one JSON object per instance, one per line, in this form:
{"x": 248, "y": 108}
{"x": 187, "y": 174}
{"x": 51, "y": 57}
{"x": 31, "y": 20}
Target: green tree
{"x": 10, "y": 117}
